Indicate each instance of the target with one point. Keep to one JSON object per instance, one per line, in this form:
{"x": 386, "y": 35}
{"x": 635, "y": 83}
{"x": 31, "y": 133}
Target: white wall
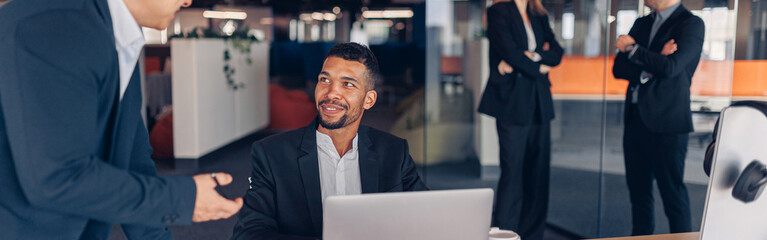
{"x": 476, "y": 74}
{"x": 207, "y": 112}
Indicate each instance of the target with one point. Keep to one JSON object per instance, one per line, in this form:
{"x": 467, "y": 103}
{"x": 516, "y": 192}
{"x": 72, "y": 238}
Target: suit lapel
{"x": 103, "y": 10}
{"x": 368, "y": 161}
{"x": 310, "y": 175}
{"x": 536, "y": 26}
{"x": 657, "y": 43}
{"x": 123, "y": 135}
{"x": 518, "y": 26}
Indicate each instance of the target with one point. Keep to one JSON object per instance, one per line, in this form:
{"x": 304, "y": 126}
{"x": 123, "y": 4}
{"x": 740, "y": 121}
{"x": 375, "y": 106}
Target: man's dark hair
{"x": 355, "y": 52}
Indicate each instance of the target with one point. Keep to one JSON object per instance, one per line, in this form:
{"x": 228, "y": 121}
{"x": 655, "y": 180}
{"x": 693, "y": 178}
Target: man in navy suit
{"x": 295, "y": 171}
{"x": 659, "y": 57}
{"x": 74, "y": 151}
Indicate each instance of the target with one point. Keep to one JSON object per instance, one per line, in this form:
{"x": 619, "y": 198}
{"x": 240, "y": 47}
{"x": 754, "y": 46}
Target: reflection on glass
{"x": 588, "y": 188}
{"x": 625, "y": 19}
{"x": 710, "y": 90}
{"x": 568, "y": 25}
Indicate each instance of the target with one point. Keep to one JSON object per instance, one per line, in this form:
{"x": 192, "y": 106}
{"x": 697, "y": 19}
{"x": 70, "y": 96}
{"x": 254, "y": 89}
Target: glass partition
{"x": 588, "y": 193}
{"x": 710, "y": 92}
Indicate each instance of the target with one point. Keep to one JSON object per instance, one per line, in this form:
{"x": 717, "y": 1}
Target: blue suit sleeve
{"x": 52, "y": 114}
{"x": 141, "y": 162}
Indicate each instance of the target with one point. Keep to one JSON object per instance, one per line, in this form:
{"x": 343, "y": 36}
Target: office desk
{"x": 677, "y": 236}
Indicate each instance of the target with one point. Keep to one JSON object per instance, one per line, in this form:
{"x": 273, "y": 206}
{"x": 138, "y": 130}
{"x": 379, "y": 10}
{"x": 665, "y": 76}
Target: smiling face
{"x": 341, "y": 93}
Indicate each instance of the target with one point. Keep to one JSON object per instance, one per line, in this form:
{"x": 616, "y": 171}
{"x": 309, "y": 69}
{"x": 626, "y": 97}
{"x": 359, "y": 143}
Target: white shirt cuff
{"x": 633, "y": 50}
{"x": 536, "y": 57}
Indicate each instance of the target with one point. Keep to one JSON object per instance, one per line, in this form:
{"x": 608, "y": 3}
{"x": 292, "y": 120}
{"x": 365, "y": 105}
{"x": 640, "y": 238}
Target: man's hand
{"x": 544, "y": 69}
{"x": 669, "y": 48}
{"x": 530, "y": 55}
{"x": 504, "y": 68}
{"x": 546, "y": 46}
{"x": 208, "y": 204}
{"x": 623, "y": 41}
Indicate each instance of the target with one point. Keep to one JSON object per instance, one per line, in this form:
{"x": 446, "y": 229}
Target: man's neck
{"x": 342, "y": 137}
{"x": 521, "y": 5}
{"x": 666, "y": 5}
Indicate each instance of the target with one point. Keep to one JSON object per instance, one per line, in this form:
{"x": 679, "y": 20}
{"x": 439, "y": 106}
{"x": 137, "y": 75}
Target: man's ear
{"x": 370, "y": 99}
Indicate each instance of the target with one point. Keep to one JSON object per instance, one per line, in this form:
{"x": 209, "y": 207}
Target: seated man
{"x": 293, "y": 172}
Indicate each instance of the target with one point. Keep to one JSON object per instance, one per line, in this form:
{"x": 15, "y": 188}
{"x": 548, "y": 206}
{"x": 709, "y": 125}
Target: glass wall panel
{"x": 710, "y": 92}
{"x": 462, "y": 145}
{"x": 454, "y": 73}
{"x": 577, "y": 86}
{"x": 588, "y": 192}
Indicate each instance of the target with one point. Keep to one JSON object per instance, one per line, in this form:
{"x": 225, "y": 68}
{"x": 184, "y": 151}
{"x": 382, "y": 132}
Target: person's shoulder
{"x": 18, "y": 10}
{"x": 287, "y": 138}
{"x": 380, "y": 137}
{"x": 500, "y": 7}
{"x": 690, "y": 18}
{"x": 645, "y": 18}
{"x": 48, "y": 15}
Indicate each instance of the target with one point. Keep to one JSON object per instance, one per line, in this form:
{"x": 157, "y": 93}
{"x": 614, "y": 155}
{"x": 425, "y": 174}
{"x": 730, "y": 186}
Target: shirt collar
{"x": 668, "y": 11}
{"x": 324, "y": 142}
{"x": 125, "y": 28}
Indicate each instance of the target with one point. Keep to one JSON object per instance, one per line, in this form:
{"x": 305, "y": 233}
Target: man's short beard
{"x": 334, "y": 125}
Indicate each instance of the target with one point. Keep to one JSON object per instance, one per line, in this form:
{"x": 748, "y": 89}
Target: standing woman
{"x": 522, "y": 51}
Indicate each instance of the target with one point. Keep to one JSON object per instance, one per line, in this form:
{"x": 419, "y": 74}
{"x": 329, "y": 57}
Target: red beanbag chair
{"x": 289, "y": 109}
{"x": 161, "y": 138}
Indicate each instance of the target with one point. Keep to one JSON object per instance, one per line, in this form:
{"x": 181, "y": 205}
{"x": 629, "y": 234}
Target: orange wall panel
{"x": 584, "y": 75}
{"x": 750, "y": 78}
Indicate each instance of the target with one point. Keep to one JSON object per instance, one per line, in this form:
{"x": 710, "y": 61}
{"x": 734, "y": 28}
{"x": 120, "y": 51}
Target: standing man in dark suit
{"x": 518, "y": 95}
{"x": 295, "y": 171}
{"x": 658, "y": 58}
{"x": 74, "y": 152}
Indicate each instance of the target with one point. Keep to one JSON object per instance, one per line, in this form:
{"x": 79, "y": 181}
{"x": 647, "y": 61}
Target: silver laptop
{"x": 443, "y": 215}
{"x": 742, "y": 138}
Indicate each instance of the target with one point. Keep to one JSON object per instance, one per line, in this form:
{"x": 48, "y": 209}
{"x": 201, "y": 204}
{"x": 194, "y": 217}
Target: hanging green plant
{"x": 241, "y": 39}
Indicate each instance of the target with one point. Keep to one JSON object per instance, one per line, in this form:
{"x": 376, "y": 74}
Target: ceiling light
{"x": 225, "y": 15}
{"x": 330, "y": 17}
{"x": 387, "y": 14}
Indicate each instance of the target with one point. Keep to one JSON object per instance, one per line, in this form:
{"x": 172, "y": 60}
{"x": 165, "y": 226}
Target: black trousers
{"x": 523, "y": 190}
{"x": 660, "y": 157}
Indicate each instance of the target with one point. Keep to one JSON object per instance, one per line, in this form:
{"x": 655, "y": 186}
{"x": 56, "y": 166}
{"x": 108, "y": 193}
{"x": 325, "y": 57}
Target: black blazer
{"x": 664, "y": 101}
{"x": 285, "y": 200}
{"x": 515, "y": 97}
{"x": 74, "y": 160}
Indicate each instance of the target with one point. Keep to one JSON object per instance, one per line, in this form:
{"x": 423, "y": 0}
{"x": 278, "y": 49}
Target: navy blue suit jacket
{"x": 664, "y": 101}
{"x": 285, "y": 197}
{"x": 73, "y": 158}
{"x": 517, "y": 97}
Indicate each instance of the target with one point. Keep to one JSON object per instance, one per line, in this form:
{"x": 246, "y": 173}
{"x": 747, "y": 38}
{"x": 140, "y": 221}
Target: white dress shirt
{"x": 129, "y": 40}
{"x": 531, "y": 44}
{"x": 338, "y": 175}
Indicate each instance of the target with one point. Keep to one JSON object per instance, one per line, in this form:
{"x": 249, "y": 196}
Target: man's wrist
{"x": 632, "y": 50}
{"x": 629, "y": 47}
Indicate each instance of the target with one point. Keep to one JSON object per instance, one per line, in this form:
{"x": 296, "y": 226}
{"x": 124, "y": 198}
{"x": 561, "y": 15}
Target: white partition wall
{"x": 476, "y": 74}
{"x": 208, "y": 112}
